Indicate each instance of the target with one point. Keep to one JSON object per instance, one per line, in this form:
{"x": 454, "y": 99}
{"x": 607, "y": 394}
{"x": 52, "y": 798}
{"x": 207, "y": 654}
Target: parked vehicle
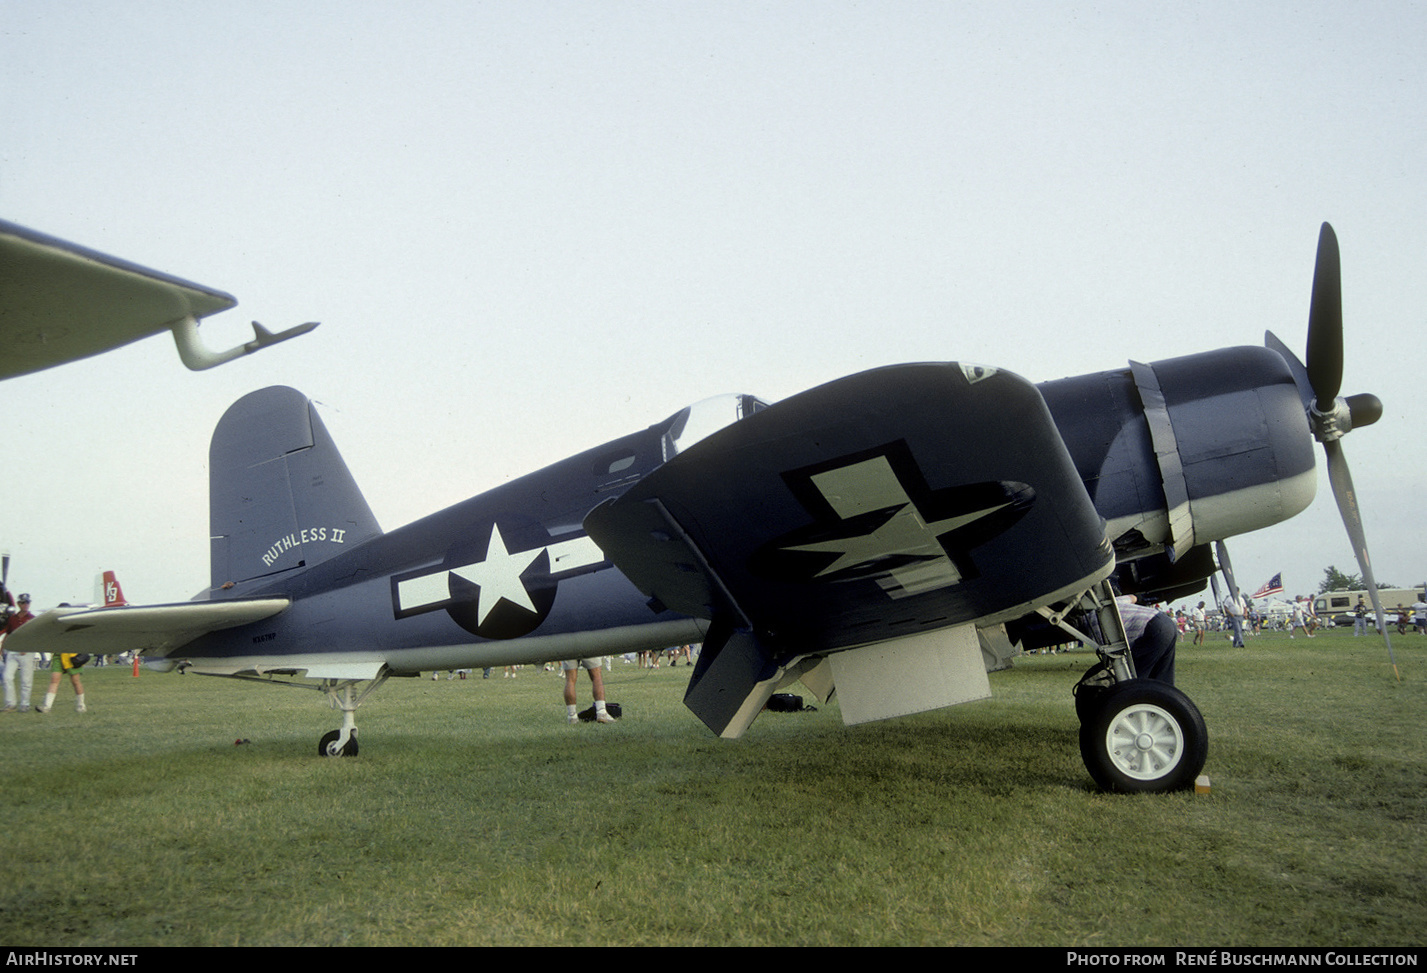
{"x": 1336, "y": 607}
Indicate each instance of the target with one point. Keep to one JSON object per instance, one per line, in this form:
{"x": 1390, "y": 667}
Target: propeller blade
{"x": 1325, "y": 322}
{"x": 1330, "y": 416}
{"x": 1343, "y": 492}
{"x": 1228, "y": 569}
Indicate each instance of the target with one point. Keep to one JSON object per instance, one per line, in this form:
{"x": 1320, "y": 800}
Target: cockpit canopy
{"x": 703, "y": 419}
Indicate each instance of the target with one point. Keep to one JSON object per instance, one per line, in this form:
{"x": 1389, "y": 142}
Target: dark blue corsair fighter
{"x": 889, "y": 536}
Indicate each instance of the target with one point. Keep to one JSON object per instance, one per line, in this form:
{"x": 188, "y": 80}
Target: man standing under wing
{"x": 19, "y": 675}
{"x": 571, "y": 668}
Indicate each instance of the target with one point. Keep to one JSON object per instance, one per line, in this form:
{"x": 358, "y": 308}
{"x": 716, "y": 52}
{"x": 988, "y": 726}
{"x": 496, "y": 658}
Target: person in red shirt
{"x": 19, "y": 675}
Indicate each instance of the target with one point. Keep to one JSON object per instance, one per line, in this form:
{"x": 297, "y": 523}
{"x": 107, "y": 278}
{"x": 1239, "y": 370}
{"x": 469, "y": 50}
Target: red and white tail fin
{"x": 113, "y": 594}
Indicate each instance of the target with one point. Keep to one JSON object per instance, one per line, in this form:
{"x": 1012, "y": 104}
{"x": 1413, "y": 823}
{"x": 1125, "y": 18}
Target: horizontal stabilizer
{"x": 153, "y": 630}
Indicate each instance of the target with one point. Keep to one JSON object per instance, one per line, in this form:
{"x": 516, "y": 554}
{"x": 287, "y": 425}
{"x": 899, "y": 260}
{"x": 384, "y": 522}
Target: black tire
{"x": 329, "y": 738}
{"x": 1143, "y": 737}
{"x": 1087, "y": 702}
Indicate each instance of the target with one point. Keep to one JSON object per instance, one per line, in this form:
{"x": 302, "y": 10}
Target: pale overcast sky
{"x": 531, "y": 227}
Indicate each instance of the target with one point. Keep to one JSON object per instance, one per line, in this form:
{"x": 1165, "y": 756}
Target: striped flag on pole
{"x": 1274, "y": 586}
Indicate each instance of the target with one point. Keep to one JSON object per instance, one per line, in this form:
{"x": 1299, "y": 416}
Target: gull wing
{"x": 60, "y": 302}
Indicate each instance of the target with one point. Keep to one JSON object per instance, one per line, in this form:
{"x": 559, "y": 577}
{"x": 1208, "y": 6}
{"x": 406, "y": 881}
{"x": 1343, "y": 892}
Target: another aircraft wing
{"x": 155, "y": 630}
{"x": 60, "y": 302}
{"x": 876, "y": 507}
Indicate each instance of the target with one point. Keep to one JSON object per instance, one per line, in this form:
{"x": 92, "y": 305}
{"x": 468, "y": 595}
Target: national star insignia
{"x": 870, "y": 486}
{"x": 499, "y": 576}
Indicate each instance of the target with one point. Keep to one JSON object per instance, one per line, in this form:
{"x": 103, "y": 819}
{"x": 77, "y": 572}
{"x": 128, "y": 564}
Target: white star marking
{"x": 873, "y": 485}
{"x": 499, "y": 576}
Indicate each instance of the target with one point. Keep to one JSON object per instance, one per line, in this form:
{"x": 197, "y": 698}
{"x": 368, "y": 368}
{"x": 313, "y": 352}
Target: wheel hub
{"x": 1144, "y": 741}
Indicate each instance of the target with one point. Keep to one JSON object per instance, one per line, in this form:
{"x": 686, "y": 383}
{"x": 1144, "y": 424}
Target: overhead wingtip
{"x": 266, "y": 337}
{"x": 198, "y": 358}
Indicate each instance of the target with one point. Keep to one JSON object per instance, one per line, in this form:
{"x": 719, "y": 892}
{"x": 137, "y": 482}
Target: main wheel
{"x": 324, "y": 746}
{"x": 1143, "y": 736}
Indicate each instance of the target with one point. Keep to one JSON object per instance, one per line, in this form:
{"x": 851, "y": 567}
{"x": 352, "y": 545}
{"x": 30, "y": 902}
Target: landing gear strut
{"x": 340, "y": 694}
{"x": 343, "y": 742}
{"x": 1136, "y": 735}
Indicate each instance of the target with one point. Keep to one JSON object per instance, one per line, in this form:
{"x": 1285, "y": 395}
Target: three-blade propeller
{"x": 1330, "y": 415}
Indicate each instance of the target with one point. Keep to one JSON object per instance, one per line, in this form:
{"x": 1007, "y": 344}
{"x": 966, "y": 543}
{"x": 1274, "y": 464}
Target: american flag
{"x": 1274, "y": 586}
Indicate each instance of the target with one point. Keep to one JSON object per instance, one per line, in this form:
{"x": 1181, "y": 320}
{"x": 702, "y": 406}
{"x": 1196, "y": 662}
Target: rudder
{"x": 280, "y": 495}
{"x": 112, "y": 594}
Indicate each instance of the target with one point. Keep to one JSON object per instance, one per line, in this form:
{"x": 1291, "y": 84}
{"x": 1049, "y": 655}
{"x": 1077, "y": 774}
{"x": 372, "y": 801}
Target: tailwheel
{"x": 342, "y": 695}
{"x": 329, "y": 745}
{"x": 1143, "y": 736}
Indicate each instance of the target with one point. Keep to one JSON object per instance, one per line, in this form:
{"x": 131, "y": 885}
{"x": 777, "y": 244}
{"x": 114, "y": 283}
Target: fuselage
{"x": 1173, "y": 455}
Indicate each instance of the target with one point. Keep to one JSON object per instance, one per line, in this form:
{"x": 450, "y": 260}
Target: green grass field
{"x": 475, "y": 815}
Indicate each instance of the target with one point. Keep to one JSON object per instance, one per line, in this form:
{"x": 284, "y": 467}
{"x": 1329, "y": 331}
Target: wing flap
{"x": 154, "y": 630}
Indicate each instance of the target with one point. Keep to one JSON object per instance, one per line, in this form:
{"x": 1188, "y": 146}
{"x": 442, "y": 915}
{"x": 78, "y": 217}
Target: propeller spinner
{"x": 1330, "y": 415}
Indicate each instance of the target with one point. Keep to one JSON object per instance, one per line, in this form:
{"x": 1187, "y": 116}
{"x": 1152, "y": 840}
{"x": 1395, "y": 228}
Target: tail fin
{"x": 280, "y": 495}
{"x": 113, "y": 594}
